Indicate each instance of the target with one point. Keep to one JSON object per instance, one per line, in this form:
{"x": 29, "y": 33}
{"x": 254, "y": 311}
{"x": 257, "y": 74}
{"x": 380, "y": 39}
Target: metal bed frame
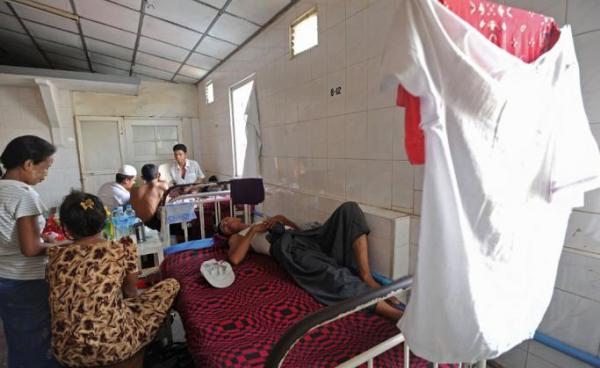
{"x": 334, "y": 312}
{"x": 327, "y": 315}
{"x": 199, "y": 199}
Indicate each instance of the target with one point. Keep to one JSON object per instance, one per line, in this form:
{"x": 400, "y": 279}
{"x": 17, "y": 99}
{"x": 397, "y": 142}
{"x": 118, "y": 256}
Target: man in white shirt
{"x": 114, "y": 194}
{"x": 184, "y": 171}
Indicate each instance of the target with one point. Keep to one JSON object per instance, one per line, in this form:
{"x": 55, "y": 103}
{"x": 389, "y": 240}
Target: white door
{"x": 100, "y": 142}
{"x": 151, "y": 140}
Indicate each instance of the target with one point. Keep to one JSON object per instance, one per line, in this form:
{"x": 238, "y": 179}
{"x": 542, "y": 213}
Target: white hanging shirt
{"x": 508, "y": 153}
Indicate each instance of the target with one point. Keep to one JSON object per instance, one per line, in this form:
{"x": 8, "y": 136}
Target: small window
{"x": 304, "y": 33}
{"x": 209, "y": 92}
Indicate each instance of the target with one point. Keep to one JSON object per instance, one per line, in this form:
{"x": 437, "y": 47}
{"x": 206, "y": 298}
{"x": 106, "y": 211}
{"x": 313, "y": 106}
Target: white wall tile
{"x": 336, "y": 12}
{"x": 379, "y": 183}
{"x": 555, "y": 357}
{"x": 418, "y": 197}
{"x": 574, "y": 320}
{"x": 355, "y": 132}
{"x": 399, "y": 148}
{"x": 291, "y": 140}
{"x": 379, "y": 19}
{"x": 356, "y": 87}
{"x": 379, "y": 248}
{"x": 354, "y": 6}
{"x": 356, "y": 180}
{"x": 336, "y": 104}
{"x": 356, "y": 39}
{"x": 380, "y": 226}
{"x": 377, "y": 98}
{"x": 318, "y": 138}
{"x": 336, "y": 47}
{"x": 335, "y": 137}
{"x": 583, "y": 232}
{"x": 535, "y": 362}
{"x": 402, "y": 186}
{"x": 319, "y": 168}
{"x": 379, "y": 134}
{"x": 415, "y": 223}
{"x": 302, "y": 138}
{"x": 419, "y": 173}
{"x": 336, "y": 178}
{"x": 583, "y": 15}
{"x": 579, "y": 275}
{"x": 401, "y": 261}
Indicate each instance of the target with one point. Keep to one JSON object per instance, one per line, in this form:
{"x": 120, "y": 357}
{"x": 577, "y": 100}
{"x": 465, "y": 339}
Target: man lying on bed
{"x": 318, "y": 259}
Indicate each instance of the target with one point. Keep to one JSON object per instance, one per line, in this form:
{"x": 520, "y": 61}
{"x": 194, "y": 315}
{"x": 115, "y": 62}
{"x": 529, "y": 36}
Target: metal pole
{"x": 201, "y": 213}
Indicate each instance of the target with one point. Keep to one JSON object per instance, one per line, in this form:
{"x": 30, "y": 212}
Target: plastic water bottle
{"x": 119, "y": 222}
{"x": 132, "y": 220}
{"x": 130, "y": 217}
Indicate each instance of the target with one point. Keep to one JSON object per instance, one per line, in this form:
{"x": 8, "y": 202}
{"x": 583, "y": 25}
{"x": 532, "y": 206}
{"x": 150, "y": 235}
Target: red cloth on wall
{"x": 524, "y": 34}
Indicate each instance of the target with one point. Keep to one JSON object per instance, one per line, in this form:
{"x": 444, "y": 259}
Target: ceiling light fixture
{"x": 46, "y": 8}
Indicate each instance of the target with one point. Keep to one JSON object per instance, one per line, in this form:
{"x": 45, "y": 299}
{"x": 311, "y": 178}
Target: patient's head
{"x": 180, "y": 153}
{"x": 149, "y": 172}
{"x": 230, "y": 225}
{"x": 82, "y": 214}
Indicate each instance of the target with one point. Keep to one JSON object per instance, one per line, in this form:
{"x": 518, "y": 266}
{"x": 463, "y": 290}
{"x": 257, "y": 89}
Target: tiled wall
{"x": 347, "y": 146}
{"x": 22, "y": 112}
{"x": 318, "y": 148}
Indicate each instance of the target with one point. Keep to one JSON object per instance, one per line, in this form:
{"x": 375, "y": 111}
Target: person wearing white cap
{"x": 117, "y": 193}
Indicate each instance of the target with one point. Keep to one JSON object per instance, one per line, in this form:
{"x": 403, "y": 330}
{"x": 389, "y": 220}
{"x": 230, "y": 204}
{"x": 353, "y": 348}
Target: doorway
{"x": 239, "y": 96}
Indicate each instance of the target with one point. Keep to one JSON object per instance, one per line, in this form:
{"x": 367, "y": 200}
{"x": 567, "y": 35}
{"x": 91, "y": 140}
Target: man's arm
{"x": 287, "y": 222}
{"x": 240, "y": 244}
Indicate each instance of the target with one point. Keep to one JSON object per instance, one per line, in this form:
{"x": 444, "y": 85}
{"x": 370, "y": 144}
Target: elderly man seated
{"x": 319, "y": 259}
{"x": 117, "y": 193}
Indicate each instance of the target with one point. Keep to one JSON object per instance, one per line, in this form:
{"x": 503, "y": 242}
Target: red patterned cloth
{"x": 522, "y": 33}
{"x": 237, "y": 326}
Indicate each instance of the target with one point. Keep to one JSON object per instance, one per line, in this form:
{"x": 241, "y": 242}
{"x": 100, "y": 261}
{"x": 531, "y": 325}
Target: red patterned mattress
{"x": 238, "y": 325}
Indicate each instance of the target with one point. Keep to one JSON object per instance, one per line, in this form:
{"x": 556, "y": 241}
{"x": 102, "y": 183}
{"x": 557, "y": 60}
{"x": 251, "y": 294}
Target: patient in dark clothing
{"x": 318, "y": 259}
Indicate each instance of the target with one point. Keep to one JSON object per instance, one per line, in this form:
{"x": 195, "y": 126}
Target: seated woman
{"x": 319, "y": 259}
{"x": 98, "y": 316}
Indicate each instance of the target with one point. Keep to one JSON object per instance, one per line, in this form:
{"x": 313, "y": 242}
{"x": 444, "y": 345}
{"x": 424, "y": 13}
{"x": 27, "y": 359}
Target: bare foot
{"x": 372, "y": 283}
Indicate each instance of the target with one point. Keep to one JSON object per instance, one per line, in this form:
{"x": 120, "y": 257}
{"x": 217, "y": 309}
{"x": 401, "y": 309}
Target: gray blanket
{"x": 320, "y": 259}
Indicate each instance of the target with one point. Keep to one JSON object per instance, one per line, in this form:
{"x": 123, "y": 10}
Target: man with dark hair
{"x": 184, "y": 171}
{"x": 114, "y": 194}
{"x": 146, "y": 198}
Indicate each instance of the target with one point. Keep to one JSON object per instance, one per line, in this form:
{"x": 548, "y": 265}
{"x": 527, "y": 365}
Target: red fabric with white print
{"x": 524, "y": 34}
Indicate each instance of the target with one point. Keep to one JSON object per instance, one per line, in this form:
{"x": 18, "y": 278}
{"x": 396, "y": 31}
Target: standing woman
{"x": 24, "y": 305}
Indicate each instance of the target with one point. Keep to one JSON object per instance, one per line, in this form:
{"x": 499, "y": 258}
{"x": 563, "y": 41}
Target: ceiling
{"x": 172, "y": 40}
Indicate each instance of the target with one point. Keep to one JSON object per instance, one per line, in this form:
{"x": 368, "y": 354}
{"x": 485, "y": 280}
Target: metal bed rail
{"x": 334, "y": 312}
{"x": 199, "y": 199}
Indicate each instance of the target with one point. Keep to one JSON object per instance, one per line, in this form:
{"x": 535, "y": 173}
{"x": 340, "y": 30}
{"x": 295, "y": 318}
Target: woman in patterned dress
{"x": 98, "y": 317}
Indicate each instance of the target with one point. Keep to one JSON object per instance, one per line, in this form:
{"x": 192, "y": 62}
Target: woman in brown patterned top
{"x": 98, "y": 318}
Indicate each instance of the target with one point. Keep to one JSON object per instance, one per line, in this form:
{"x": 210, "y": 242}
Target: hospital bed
{"x": 265, "y": 319}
